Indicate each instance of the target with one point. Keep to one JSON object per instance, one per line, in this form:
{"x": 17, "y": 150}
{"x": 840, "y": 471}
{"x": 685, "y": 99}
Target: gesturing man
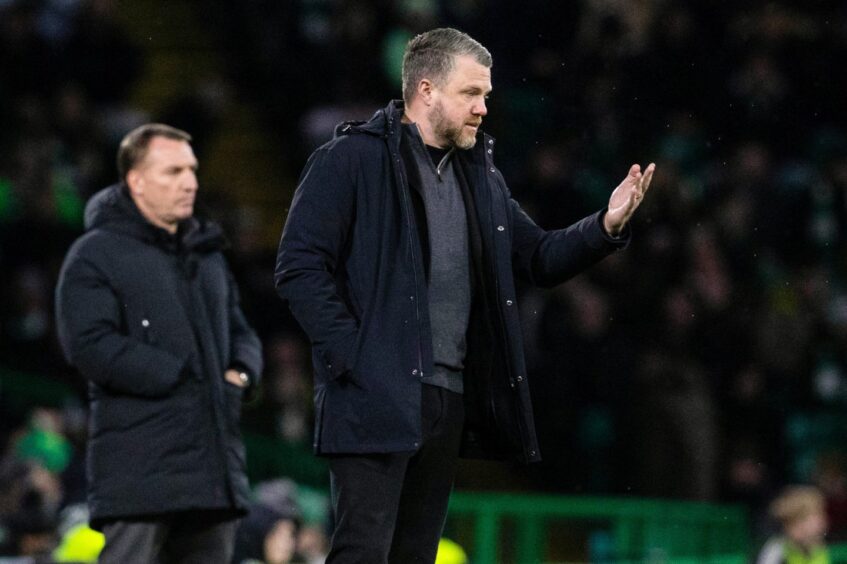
{"x": 148, "y": 313}
{"x": 399, "y": 259}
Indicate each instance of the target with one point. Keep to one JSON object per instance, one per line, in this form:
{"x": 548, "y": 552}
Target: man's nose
{"x": 190, "y": 181}
{"x": 480, "y": 109}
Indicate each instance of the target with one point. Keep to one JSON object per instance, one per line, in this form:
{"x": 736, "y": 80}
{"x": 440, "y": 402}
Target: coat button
{"x": 329, "y": 366}
{"x": 491, "y": 141}
{"x": 412, "y": 298}
{"x": 500, "y": 228}
{"x": 509, "y": 302}
{"x": 520, "y": 378}
{"x": 490, "y": 151}
{"x": 145, "y": 323}
{"x": 532, "y": 453}
{"x": 491, "y": 169}
{"x": 415, "y": 372}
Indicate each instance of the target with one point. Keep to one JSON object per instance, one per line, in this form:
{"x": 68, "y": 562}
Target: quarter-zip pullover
{"x": 449, "y": 268}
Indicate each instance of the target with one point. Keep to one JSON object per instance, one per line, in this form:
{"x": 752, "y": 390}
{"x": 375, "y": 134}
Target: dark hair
{"x": 430, "y": 55}
{"x": 133, "y": 147}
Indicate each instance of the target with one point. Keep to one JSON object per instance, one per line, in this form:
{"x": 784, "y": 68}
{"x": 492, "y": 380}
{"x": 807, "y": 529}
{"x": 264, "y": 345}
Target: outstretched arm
{"x": 547, "y": 258}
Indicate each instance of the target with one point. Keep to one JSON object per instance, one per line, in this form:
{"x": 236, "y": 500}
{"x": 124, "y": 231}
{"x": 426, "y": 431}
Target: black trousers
{"x": 392, "y": 507}
{"x": 190, "y": 537}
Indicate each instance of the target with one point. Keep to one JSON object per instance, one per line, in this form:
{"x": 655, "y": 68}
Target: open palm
{"x": 627, "y": 197}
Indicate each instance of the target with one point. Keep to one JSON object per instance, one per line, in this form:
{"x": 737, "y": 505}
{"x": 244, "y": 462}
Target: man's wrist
{"x": 615, "y": 234}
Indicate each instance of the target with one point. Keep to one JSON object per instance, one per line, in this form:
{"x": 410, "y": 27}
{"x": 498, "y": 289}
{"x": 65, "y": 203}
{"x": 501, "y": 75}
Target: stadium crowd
{"x": 708, "y": 361}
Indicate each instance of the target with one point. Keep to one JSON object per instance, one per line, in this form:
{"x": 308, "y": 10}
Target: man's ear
{"x": 135, "y": 181}
{"x": 425, "y": 88}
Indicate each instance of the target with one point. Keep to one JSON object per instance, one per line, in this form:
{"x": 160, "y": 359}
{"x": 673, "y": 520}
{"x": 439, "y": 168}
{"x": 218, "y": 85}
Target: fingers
{"x": 635, "y": 197}
{"x": 648, "y": 177}
{"x": 634, "y": 170}
{"x": 643, "y": 181}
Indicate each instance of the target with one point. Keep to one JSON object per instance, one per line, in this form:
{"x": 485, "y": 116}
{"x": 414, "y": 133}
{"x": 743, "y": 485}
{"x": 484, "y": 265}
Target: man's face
{"x": 164, "y": 183}
{"x": 281, "y": 542}
{"x": 810, "y": 530}
{"x": 459, "y": 104}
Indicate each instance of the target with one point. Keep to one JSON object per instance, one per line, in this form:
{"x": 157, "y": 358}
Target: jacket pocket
{"x": 339, "y": 358}
{"x": 233, "y": 396}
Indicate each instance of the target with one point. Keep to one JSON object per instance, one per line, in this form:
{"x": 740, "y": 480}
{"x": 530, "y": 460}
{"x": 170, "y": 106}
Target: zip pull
{"x": 443, "y": 162}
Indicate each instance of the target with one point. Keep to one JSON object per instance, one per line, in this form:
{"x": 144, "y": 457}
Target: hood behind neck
{"x": 112, "y": 209}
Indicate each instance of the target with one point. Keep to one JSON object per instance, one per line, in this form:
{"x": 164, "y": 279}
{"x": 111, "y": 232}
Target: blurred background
{"x": 708, "y": 362}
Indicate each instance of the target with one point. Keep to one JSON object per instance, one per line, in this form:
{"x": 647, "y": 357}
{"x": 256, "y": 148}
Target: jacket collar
{"x": 386, "y": 123}
{"x": 112, "y": 209}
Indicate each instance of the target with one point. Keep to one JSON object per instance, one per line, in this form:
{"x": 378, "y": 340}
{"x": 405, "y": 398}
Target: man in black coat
{"x": 399, "y": 259}
{"x": 148, "y": 312}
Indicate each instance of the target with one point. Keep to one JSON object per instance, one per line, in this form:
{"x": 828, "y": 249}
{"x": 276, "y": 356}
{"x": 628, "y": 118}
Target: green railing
{"x": 838, "y": 553}
{"x": 639, "y": 530}
{"x": 494, "y": 527}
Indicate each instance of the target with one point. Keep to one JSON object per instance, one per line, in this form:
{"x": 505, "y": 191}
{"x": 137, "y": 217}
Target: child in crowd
{"x": 801, "y": 512}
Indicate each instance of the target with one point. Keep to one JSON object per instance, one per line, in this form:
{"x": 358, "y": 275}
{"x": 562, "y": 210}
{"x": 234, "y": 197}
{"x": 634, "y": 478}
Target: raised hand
{"x": 626, "y": 198}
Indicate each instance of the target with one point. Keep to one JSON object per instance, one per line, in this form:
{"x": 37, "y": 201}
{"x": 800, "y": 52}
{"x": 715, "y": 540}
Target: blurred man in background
{"x": 399, "y": 258}
{"x": 148, "y": 312}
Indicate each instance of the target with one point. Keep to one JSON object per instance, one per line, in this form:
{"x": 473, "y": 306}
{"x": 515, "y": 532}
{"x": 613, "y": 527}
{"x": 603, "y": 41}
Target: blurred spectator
{"x": 267, "y": 535}
{"x": 106, "y": 63}
{"x": 801, "y": 514}
{"x": 286, "y": 406}
{"x": 29, "y": 500}
{"x": 79, "y": 543}
{"x": 307, "y": 511}
{"x": 450, "y": 552}
{"x": 313, "y": 544}
{"x": 830, "y": 476}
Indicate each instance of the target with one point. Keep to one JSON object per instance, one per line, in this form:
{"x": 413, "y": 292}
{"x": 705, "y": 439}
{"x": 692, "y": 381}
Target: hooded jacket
{"x": 352, "y": 265}
{"x": 152, "y": 321}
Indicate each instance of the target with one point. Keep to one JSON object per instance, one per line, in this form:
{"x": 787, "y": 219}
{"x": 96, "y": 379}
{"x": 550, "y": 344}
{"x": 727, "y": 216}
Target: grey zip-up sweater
{"x": 449, "y": 272}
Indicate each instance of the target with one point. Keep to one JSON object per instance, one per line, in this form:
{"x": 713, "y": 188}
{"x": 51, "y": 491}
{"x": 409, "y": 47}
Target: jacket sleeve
{"x": 246, "y": 350}
{"x": 89, "y": 326}
{"x": 315, "y": 232}
{"x": 547, "y": 258}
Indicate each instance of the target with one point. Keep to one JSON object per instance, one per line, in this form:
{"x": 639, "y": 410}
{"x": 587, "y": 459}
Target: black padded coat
{"x": 152, "y": 321}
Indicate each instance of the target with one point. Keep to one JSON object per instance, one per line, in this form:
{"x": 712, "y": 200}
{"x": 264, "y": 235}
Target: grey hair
{"x": 134, "y": 145}
{"x": 431, "y": 55}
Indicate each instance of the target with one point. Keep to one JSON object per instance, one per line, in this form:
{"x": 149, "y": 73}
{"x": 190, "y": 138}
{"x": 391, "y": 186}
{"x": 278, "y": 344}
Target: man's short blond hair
{"x": 796, "y": 503}
{"x": 431, "y": 55}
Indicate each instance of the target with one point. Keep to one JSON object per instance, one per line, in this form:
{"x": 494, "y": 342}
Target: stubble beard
{"x": 442, "y": 129}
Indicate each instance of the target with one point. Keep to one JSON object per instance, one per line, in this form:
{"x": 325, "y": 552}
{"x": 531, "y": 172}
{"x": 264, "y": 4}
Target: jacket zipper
{"x": 503, "y": 333}
{"x": 403, "y": 189}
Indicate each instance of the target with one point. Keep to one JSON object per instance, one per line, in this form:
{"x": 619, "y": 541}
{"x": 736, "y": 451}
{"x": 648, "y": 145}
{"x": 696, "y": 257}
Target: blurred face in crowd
{"x": 809, "y": 530}
{"x": 459, "y": 104}
{"x": 281, "y": 542}
{"x": 164, "y": 183}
